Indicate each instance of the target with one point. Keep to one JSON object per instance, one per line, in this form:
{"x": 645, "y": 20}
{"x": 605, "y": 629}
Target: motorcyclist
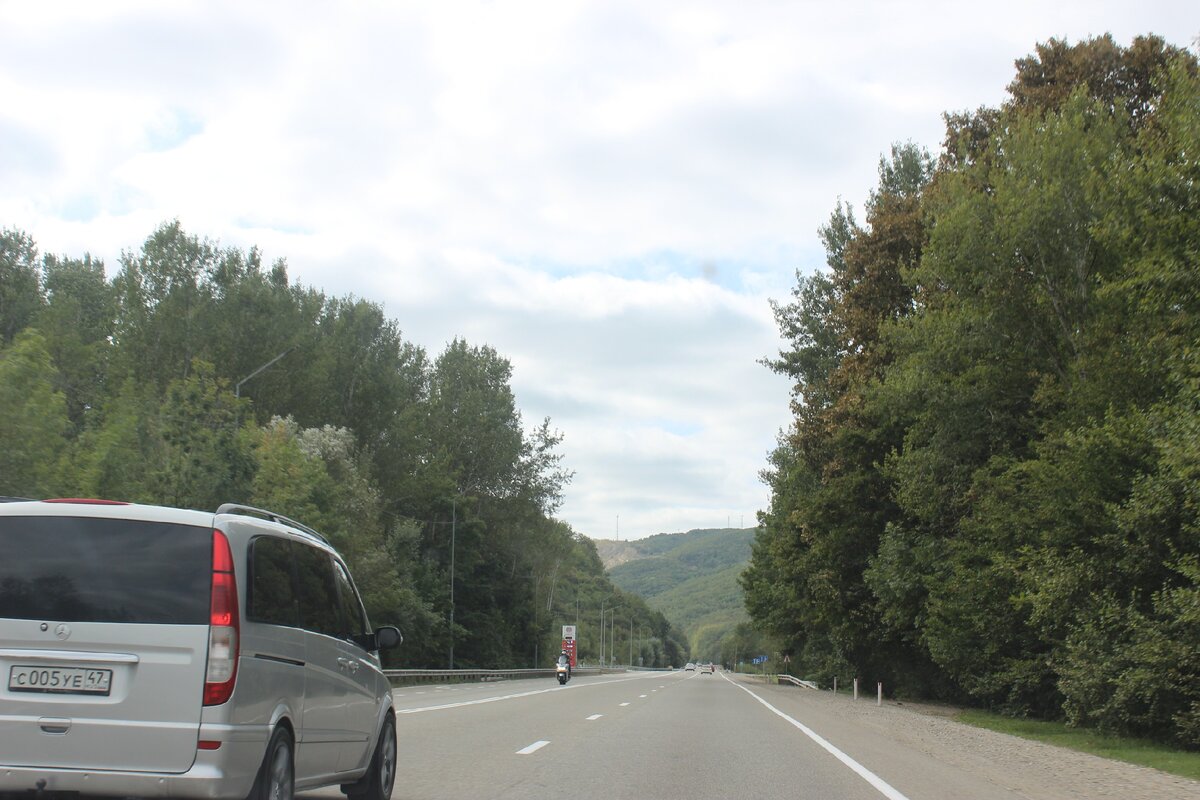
{"x": 565, "y": 660}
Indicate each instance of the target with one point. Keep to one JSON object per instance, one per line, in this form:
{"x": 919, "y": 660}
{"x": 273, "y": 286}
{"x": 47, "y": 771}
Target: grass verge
{"x": 1135, "y": 751}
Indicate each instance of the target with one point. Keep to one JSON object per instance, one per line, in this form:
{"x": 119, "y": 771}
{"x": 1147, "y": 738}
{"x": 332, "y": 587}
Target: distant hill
{"x": 690, "y": 577}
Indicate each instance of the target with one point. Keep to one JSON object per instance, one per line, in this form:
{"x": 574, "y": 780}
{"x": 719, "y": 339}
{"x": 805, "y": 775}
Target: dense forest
{"x": 197, "y": 375}
{"x": 991, "y": 488}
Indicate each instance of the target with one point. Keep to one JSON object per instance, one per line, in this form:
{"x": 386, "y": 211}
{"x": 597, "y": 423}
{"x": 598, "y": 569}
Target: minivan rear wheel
{"x": 276, "y": 776}
{"x": 381, "y": 775}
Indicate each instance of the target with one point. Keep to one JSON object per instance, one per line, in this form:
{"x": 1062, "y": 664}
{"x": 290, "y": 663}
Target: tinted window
{"x": 352, "y": 621}
{"x": 76, "y": 569}
{"x": 272, "y": 597}
{"x": 318, "y": 597}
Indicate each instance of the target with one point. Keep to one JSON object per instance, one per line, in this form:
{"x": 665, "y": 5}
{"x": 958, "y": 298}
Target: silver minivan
{"x": 160, "y": 652}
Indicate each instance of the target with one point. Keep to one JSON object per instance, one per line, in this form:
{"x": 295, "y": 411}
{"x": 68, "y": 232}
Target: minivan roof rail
{"x": 237, "y": 508}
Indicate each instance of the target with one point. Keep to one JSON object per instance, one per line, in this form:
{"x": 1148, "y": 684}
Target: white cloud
{"x": 607, "y": 192}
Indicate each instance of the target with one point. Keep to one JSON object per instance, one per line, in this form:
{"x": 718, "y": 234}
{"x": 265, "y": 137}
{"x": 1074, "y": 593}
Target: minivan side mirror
{"x": 387, "y": 637}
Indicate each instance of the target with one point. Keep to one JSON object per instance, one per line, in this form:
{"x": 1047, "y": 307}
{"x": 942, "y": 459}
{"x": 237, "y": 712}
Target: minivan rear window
{"x": 80, "y": 569}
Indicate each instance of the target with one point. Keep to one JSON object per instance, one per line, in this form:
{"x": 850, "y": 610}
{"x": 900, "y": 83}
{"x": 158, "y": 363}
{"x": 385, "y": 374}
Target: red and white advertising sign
{"x": 568, "y": 644}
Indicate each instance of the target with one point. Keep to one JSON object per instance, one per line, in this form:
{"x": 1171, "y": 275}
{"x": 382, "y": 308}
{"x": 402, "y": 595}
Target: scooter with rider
{"x": 563, "y": 668}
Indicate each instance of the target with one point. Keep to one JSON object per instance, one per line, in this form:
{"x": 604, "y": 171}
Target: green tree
{"x": 78, "y": 322}
{"x": 161, "y": 305}
{"x": 115, "y": 457}
{"x": 992, "y": 418}
{"x": 20, "y": 289}
{"x": 33, "y": 419}
{"x": 318, "y": 476}
{"x": 831, "y": 504}
{"x": 473, "y": 420}
{"x": 202, "y": 460}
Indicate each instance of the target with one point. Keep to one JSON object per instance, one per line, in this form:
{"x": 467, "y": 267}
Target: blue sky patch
{"x": 172, "y": 129}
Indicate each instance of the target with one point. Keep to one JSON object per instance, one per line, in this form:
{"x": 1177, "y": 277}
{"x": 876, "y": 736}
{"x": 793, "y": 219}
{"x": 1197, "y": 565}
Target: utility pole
{"x": 453, "y": 531}
{"x": 631, "y": 640}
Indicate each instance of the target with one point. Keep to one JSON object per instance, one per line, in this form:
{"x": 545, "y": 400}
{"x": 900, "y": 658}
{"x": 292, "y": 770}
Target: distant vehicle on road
{"x": 160, "y": 652}
{"x": 690, "y": 667}
{"x": 706, "y": 669}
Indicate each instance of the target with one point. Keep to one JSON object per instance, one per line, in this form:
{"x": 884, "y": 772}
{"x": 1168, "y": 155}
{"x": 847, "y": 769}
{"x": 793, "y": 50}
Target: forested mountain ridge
{"x": 198, "y": 375}
{"x": 690, "y": 577}
{"x": 613, "y": 552}
{"x": 661, "y": 562}
{"x": 989, "y": 491}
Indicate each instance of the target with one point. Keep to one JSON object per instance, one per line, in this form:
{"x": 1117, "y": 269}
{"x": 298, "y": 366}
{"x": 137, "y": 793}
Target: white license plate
{"x": 60, "y": 680}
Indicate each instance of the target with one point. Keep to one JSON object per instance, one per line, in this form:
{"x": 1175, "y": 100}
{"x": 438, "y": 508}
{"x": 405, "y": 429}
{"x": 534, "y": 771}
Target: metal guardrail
{"x": 473, "y": 675}
{"x": 797, "y": 681}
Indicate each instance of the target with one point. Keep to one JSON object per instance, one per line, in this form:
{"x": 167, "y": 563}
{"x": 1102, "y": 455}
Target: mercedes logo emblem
{"x": 62, "y": 630}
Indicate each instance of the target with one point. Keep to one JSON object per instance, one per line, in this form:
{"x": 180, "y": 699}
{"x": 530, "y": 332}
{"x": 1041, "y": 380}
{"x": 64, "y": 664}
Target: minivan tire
{"x": 381, "y": 775}
{"x": 276, "y": 776}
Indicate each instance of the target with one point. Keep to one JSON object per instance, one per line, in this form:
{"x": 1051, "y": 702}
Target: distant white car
{"x": 690, "y": 667}
{"x": 706, "y": 669}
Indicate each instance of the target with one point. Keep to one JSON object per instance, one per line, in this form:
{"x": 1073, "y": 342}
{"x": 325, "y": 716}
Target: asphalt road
{"x": 656, "y": 736}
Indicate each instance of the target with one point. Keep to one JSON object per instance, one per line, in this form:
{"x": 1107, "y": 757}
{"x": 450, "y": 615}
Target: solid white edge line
{"x": 879, "y": 783}
{"x": 533, "y": 748}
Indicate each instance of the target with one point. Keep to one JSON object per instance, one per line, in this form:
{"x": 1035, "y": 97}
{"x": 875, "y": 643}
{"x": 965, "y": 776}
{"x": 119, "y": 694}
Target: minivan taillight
{"x": 222, "y": 625}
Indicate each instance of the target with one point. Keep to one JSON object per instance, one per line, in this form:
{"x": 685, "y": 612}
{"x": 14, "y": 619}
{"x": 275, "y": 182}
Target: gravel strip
{"x": 1028, "y": 768}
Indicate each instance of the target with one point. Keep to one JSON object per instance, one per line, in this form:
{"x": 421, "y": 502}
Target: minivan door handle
{"x": 57, "y": 725}
{"x": 343, "y": 664}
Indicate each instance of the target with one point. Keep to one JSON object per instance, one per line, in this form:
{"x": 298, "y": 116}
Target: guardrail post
{"x": 856, "y": 688}
{"x": 879, "y": 694}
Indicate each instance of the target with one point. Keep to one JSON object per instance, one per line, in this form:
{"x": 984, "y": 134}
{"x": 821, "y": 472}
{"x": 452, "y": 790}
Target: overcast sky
{"x": 608, "y": 193}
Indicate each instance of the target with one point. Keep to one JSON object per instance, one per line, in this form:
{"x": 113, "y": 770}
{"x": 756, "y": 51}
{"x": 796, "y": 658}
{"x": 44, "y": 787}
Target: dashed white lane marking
{"x": 641, "y": 696}
{"x": 568, "y": 687}
{"x": 624, "y": 704}
{"x": 594, "y": 717}
{"x": 533, "y": 748}
{"x": 879, "y": 783}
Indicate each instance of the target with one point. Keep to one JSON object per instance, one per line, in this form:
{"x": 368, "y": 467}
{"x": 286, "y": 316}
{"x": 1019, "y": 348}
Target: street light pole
{"x": 612, "y": 636}
{"x": 603, "y": 601}
{"x": 453, "y": 533}
{"x": 237, "y": 387}
{"x": 601, "y": 629}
